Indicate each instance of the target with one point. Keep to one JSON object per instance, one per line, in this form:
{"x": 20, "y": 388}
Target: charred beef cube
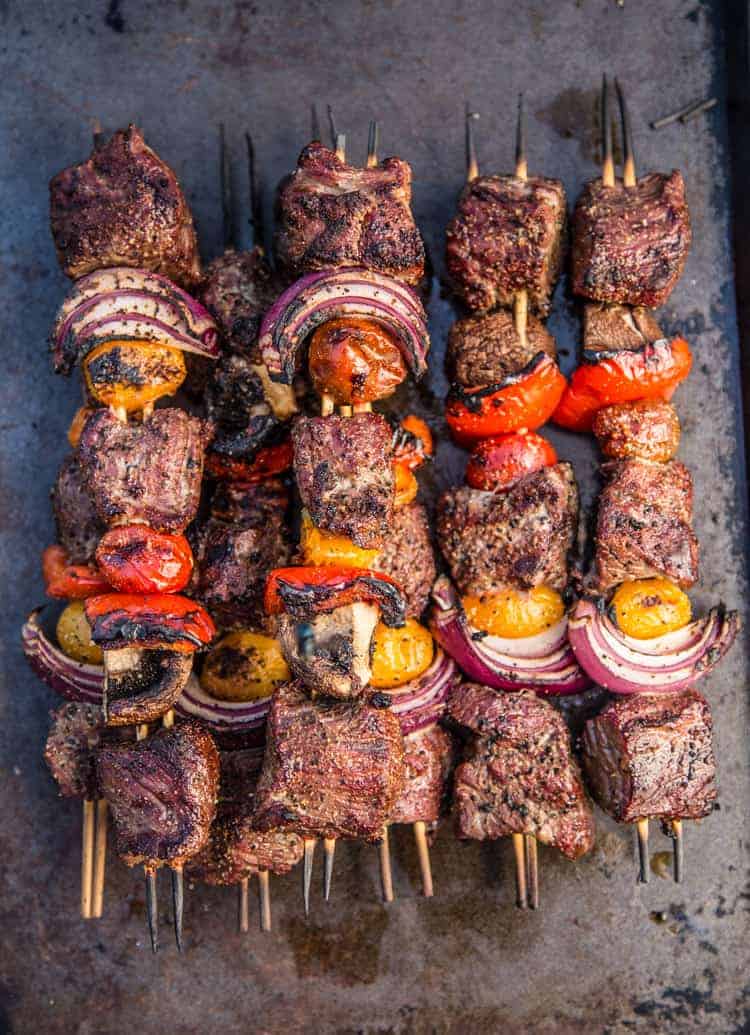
{"x": 345, "y": 475}
{"x": 79, "y": 528}
{"x": 148, "y": 472}
{"x": 408, "y": 557}
{"x": 331, "y": 214}
{"x": 123, "y": 207}
{"x": 74, "y": 736}
{"x": 506, "y": 237}
{"x": 630, "y": 243}
{"x": 612, "y": 328}
{"x": 331, "y": 769}
{"x": 520, "y": 538}
{"x": 429, "y": 759}
{"x": 484, "y": 350}
{"x": 644, "y": 524}
{"x": 238, "y": 288}
{"x": 519, "y": 775}
{"x": 162, "y": 793}
{"x": 652, "y": 756}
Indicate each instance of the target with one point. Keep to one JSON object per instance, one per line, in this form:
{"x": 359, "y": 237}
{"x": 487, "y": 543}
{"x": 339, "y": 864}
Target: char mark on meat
{"x": 519, "y": 775}
{"x": 484, "y": 350}
{"x": 148, "y": 472}
{"x": 330, "y": 214}
{"x": 520, "y": 538}
{"x": 630, "y": 244}
{"x": 162, "y": 794}
{"x": 644, "y": 524}
{"x": 331, "y": 769}
{"x": 506, "y": 237}
{"x": 74, "y": 736}
{"x": 238, "y": 289}
{"x": 429, "y": 760}
{"x": 408, "y": 558}
{"x": 79, "y": 528}
{"x": 123, "y": 207}
{"x": 345, "y": 475}
{"x": 651, "y": 755}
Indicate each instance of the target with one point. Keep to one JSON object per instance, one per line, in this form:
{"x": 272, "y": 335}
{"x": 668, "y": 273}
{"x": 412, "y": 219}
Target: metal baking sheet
{"x": 603, "y": 954}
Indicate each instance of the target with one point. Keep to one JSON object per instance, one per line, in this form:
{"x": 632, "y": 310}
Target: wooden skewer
{"x": 141, "y": 731}
{"x": 315, "y": 123}
{"x": 100, "y": 858}
{"x": 472, "y": 163}
{"x": 521, "y": 298}
{"x": 332, "y": 125}
{"x": 329, "y": 849}
{"x": 341, "y": 147}
{"x": 254, "y": 195}
{"x": 423, "y": 851}
{"x": 345, "y": 411}
{"x": 628, "y": 170}
{"x": 178, "y": 902}
{"x": 677, "y": 851}
{"x": 97, "y": 134}
{"x": 148, "y": 409}
{"x": 362, "y": 408}
{"x": 87, "y": 857}
{"x": 152, "y": 907}
{"x": 120, "y": 413}
{"x": 225, "y": 179}
{"x": 167, "y": 719}
{"x": 386, "y": 877}
{"x": 608, "y": 162}
{"x": 310, "y": 843}
{"x": 243, "y": 912}
{"x": 532, "y": 871}
{"x": 326, "y": 405}
{"x": 642, "y": 827}
{"x": 264, "y": 888}
{"x": 373, "y": 140}
{"x": 520, "y": 857}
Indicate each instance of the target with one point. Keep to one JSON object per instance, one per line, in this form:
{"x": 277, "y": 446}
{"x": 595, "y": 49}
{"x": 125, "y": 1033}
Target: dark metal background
{"x": 603, "y": 954}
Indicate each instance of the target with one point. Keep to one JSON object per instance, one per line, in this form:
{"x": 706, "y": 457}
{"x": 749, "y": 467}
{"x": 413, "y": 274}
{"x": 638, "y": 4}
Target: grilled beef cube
{"x": 520, "y": 538}
{"x": 484, "y": 350}
{"x": 408, "y": 556}
{"x": 648, "y": 429}
{"x": 123, "y": 207}
{"x": 630, "y": 244}
{"x": 519, "y": 775}
{"x": 162, "y": 793}
{"x": 330, "y": 214}
{"x": 506, "y": 237}
{"x": 651, "y": 755}
{"x": 148, "y": 472}
{"x": 75, "y": 734}
{"x": 331, "y": 769}
{"x": 255, "y": 505}
{"x": 429, "y": 759}
{"x": 235, "y": 849}
{"x": 644, "y": 523}
{"x": 78, "y": 526}
{"x": 345, "y": 475}
{"x": 612, "y": 328}
{"x": 234, "y": 394}
{"x": 238, "y": 289}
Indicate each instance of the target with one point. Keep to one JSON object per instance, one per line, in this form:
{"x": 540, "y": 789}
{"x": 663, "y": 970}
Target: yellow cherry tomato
{"x": 513, "y": 613}
{"x": 400, "y": 655}
{"x": 650, "y": 607}
{"x": 325, "y": 548}
{"x": 74, "y": 635}
{"x": 244, "y": 666}
{"x": 132, "y": 374}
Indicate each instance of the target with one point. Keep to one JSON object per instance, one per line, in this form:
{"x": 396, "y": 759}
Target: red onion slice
{"x": 544, "y": 663}
{"x": 221, "y": 716}
{"x": 421, "y": 702}
{"x": 665, "y": 664}
{"x": 71, "y": 679}
{"x": 319, "y": 297}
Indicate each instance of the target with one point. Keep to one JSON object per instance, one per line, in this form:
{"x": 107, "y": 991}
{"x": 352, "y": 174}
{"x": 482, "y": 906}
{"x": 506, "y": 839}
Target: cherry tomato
{"x": 647, "y": 608}
{"x": 138, "y": 559}
{"x": 269, "y": 461}
{"x": 159, "y": 621}
{"x": 651, "y": 372}
{"x": 400, "y": 655}
{"x": 306, "y": 591}
{"x": 514, "y": 613}
{"x": 519, "y": 402}
{"x": 66, "y": 581}
{"x": 501, "y": 461}
{"x": 355, "y": 360}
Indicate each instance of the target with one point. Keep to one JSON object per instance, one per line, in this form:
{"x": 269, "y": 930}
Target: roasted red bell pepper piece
{"x": 269, "y": 461}
{"x": 138, "y": 559}
{"x": 501, "y": 461}
{"x": 651, "y": 372}
{"x": 158, "y": 621}
{"x": 66, "y": 581}
{"x": 413, "y": 443}
{"x": 522, "y": 401}
{"x": 304, "y": 592}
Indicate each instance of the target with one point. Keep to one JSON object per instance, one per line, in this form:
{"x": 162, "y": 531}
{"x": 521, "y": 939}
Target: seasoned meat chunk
{"x": 330, "y": 769}
{"x": 484, "y": 350}
{"x": 630, "y": 243}
{"x": 645, "y": 430}
{"x": 521, "y": 537}
{"x": 345, "y": 475}
{"x": 408, "y": 556}
{"x": 610, "y": 328}
{"x": 147, "y": 472}
{"x": 651, "y": 755}
{"x": 519, "y": 774}
{"x": 238, "y": 288}
{"x": 162, "y": 793}
{"x": 74, "y": 736}
{"x": 123, "y": 207}
{"x": 331, "y": 214}
{"x": 79, "y": 528}
{"x": 430, "y": 757}
{"x": 644, "y": 524}
{"x": 506, "y": 237}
